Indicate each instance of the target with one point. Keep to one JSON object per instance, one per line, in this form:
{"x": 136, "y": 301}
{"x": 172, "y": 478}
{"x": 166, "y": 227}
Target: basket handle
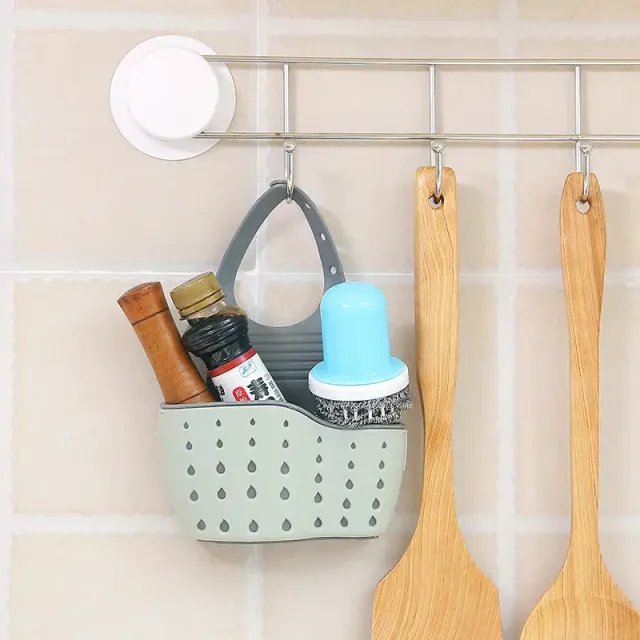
{"x": 332, "y": 270}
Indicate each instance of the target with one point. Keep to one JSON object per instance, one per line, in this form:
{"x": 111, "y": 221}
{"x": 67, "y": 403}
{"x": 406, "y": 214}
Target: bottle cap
{"x": 196, "y": 294}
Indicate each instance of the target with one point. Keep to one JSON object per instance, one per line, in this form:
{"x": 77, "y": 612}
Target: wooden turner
{"x": 583, "y": 603}
{"x": 436, "y": 591}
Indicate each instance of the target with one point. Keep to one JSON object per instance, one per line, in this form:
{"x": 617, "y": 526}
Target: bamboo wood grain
{"x": 147, "y": 310}
{"x": 436, "y": 591}
{"x": 584, "y": 602}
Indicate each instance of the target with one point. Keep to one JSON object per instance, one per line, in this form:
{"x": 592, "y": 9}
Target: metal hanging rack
{"x": 583, "y": 141}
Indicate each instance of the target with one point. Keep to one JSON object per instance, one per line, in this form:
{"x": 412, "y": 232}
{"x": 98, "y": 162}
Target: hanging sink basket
{"x": 266, "y": 472}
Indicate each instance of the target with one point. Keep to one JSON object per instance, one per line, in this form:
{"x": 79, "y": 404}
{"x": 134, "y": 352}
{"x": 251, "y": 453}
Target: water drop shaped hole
{"x": 224, "y": 526}
{"x": 253, "y": 526}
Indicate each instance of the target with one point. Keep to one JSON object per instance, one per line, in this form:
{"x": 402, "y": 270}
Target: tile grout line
{"x": 255, "y": 596}
{"x": 142, "y": 524}
{"x": 45, "y": 19}
{"x": 7, "y": 211}
{"x": 505, "y": 336}
{"x": 6, "y": 432}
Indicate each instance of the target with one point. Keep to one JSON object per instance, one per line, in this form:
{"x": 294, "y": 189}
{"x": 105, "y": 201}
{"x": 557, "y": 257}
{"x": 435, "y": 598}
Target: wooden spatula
{"x": 436, "y": 591}
{"x": 583, "y": 603}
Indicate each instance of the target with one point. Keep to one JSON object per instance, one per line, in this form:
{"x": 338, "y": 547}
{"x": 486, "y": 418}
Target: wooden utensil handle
{"x": 583, "y": 264}
{"x": 148, "y": 312}
{"x": 436, "y": 292}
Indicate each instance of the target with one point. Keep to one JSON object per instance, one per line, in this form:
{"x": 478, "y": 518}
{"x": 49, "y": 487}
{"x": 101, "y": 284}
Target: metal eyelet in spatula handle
{"x": 584, "y": 601}
{"x": 436, "y": 590}
{"x": 289, "y": 353}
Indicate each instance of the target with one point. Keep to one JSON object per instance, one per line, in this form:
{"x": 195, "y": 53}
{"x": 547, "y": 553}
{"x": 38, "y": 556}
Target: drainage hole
{"x": 284, "y": 469}
{"x": 376, "y": 504}
{"x": 318, "y": 478}
{"x": 202, "y": 525}
{"x": 372, "y": 521}
{"x": 317, "y": 523}
{"x": 194, "y": 496}
{"x": 220, "y": 468}
{"x": 222, "y": 494}
{"x": 317, "y": 497}
{"x": 285, "y": 444}
{"x": 253, "y": 526}
{"x": 224, "y": 526}
{"x": 189, "y": 446}
{"x": 219, "y": 444}
{"x": 351, "y": 465}
{"x": 251, "y": 492}
{"x": 251, "y": 467}
{"x": 380, "y": 484}
{"x": 191, "y": 471}
{"x": 286, "y": 525}
{"x": 344, "y": 522}
{"x": 284, "y": 494}
{"x": 349, "y": 484}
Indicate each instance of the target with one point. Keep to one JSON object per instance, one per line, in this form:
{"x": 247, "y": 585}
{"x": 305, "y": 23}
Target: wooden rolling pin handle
{"x": 147, "y": 310}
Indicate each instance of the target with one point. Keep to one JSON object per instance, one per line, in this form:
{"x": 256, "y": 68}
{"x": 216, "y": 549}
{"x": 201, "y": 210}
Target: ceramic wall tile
{"x": 365, "y": 191}
{"x": 403, "y": 10}
{"x": 139, "y": 586}
{"x": 74, "y": 209}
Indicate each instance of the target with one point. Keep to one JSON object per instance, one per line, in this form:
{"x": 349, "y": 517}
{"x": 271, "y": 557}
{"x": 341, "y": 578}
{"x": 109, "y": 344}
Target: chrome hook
{"x": 585, "y": 150}
{"x": 437, "y": 148}
{"x": 289, "y": 147}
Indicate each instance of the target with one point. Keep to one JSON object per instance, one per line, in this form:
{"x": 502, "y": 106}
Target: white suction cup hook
{"x": 164, "y": 93}
{"x": 585, "y": 150}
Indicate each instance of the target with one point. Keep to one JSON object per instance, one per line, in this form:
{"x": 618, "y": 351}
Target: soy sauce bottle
{"x": 219, "y": 335}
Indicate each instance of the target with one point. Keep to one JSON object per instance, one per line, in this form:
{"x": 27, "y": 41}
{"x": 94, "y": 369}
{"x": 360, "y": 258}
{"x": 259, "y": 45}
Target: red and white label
{"x": 244, "y": 379}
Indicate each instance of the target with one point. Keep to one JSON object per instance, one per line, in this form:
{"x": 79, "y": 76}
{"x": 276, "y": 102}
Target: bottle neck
{"x": 207, "y": 312}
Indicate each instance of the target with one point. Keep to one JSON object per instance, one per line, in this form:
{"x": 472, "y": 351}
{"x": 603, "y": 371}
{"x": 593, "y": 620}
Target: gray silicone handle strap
{"x": 254, "y": 219}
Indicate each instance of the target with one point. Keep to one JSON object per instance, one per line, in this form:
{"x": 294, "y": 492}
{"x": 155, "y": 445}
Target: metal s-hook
{"x": 289, "y": 147}
{"x": 585, "y": 151}
{"x": 437, "y": 147}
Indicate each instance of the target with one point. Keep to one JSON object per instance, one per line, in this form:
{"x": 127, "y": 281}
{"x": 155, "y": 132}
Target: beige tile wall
{"x": 88, "y": 546}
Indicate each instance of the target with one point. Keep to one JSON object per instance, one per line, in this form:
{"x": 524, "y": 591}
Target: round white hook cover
{"x": 164, "y": 92}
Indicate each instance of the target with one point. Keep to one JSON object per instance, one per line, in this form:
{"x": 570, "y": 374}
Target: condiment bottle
{"x": 219, "y": 335}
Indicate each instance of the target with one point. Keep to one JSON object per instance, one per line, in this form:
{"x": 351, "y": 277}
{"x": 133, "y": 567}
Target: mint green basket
{"x": 266, "y": 472}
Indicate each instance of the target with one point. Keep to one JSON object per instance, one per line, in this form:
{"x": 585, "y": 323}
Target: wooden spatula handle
{"x": 436, "y": 298}
{"x": 148, "y": 312}
{"x": 583, "y": 263}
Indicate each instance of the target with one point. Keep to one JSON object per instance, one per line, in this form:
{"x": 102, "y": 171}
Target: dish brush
{"x": 359, "y": 382}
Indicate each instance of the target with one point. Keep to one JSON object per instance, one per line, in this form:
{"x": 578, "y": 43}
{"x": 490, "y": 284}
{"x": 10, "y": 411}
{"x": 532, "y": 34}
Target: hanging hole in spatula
{"x": 583, "y": 206}
{"x": 436, "y": 204}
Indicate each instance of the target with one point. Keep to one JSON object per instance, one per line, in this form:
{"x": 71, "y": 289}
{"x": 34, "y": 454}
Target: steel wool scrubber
{"x": 359, "y": 382}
